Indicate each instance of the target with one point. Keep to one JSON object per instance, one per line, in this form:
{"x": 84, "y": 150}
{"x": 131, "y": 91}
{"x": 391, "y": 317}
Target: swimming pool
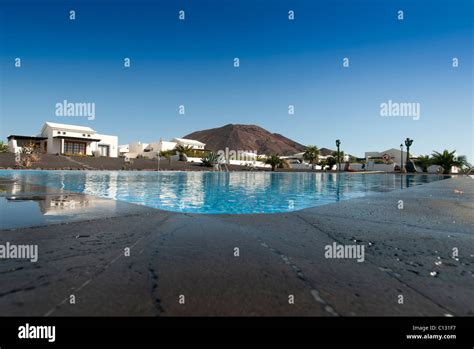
{"x": 221, "y": 192}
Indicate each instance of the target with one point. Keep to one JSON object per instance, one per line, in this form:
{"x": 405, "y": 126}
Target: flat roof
{"x": 69, "y": 127}
{"x": 188, "y": 141}
{"x": 79, "y": 138}
{"x": 27, "y": 137}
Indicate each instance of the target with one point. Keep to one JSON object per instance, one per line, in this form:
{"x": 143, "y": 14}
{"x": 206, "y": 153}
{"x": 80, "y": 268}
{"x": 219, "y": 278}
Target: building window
{"x": 104, "y": 150}
{"x": 75, "y": 148}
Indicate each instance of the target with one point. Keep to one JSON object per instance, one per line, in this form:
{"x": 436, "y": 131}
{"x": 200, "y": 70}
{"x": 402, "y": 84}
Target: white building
{"x": 123, "y": 149}
{"x": 137, "y": 147}
{"x": 132, "y": 150}
{"x": 160, "y": 145}
{"x": 151, "y": 150}
{"x": 390, "y": 157}
{"x": 297, "y": 161}
{"x": 66, "y": 139}
{"x": 189, "y": 143}
{"x": 154, "y": 148}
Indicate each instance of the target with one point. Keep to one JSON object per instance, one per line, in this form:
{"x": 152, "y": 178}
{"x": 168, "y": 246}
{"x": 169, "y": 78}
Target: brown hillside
{"x": 246, "y": 138}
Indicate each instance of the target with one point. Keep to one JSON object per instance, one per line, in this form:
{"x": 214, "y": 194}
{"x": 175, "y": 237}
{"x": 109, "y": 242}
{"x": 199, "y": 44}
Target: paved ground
{"x": 408, "y": 252}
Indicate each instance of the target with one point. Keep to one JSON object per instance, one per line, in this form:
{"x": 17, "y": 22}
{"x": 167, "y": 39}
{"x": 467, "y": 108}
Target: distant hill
{"x": 246, "y": 138}
{"x": 325, "y": 151}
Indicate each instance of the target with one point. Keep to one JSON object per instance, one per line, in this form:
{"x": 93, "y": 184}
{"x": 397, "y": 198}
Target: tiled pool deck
{"x": 81, "y": 253}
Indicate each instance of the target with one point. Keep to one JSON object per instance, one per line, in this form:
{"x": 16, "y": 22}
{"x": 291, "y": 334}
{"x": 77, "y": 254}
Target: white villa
{"x": 151, "y": 150}
{"x": 123, "y": 149}
{"x": 66, "y": 139}
{"x": 385, "y": 160}
{"x": 297, "y": 161}
{"x": 189, "y": 143}
{"x": 393, "y": 158}
{"x": 137, "y": 147}
{"x": 390, "y": 155}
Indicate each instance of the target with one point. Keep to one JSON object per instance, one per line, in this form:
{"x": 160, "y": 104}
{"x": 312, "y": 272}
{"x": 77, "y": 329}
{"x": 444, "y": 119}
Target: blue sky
{"x": 282, "y": 62}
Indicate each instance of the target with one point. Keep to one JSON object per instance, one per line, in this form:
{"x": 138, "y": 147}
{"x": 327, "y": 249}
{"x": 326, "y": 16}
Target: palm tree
{"x": 273, "y": 160}
{"x": 462, "y": 159}
{"x": 424, "y": 162}
{"x": 183, "y": 150}
{"x": 167, "y": 154}
{"x": 331, "y": 161}
{"x": 323, "y": 163}
{"x": 312, "y": 155}
{"x": 448, "y": 159}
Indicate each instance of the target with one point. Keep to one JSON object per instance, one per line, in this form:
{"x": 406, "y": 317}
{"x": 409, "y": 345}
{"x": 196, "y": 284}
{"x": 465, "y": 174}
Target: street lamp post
{"x": 158, "y": 158}
{"x": 408, "y": 143}
{"x": 401, "y": 158}
{"x": 338, "y": 143}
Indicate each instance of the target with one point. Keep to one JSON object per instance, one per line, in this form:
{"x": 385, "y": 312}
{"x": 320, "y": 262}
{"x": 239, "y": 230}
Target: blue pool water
{"x": 221, "y": 192}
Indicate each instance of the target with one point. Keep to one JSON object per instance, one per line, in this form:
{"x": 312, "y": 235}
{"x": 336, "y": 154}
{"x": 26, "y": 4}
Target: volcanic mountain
{"x": 246, "y": 138}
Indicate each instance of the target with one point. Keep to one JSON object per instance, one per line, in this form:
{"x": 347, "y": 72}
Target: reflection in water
{"x": 49, "y": 200}
{"x": 218, "y": 192}
{"x": 23, "y": 205}
{"x": 52, "y": 201}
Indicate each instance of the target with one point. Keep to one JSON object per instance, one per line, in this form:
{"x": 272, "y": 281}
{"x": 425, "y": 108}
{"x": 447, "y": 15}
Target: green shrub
{"x": 210, "y": 159}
